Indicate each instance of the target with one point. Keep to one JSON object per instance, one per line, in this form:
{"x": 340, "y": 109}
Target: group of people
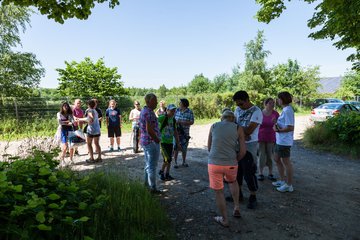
{"x": 235, "y": 142}
{"x": 73, "y": 118}
{"x": 166, "y": 131}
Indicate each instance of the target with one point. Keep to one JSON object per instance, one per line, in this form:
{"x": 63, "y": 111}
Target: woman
{"x": 225, "y": 138}
{"x": 134, "y": 117}
{"x": 65, "y": 119}
{"x": 162, "y": 109}
{"x": 184, "y": 119}
{"x": 93, "y": 131}
{"x": 284, "y": 129}
{"x": 267, "y": 139}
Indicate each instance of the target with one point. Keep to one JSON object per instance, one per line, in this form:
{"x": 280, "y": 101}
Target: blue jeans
{"x": 152, "y": 154}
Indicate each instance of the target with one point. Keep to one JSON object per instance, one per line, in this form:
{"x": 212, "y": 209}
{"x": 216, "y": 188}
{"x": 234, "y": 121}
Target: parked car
{"x": 328, "y": 110}
{"x": 354, "y": 103}
{"x": 320, "y": 101}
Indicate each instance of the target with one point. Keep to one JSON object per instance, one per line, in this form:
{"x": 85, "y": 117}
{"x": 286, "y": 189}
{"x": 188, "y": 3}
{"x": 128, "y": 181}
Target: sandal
{"x": 220, "y": 220}
{"x": 236, "y": 213}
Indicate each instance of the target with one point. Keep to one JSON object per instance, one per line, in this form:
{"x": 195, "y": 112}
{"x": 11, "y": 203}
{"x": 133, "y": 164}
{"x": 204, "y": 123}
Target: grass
{"x": 130, "y": 211}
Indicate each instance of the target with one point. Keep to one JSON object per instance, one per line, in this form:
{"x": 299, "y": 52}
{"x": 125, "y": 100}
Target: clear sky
{"x": 169, "y": 41}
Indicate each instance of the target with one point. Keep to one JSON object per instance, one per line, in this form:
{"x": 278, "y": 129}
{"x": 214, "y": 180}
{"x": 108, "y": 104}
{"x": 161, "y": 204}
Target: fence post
{"x": 16, "y": 110}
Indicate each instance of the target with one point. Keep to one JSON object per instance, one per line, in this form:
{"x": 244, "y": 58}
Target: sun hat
{"x": 171, "y": 107}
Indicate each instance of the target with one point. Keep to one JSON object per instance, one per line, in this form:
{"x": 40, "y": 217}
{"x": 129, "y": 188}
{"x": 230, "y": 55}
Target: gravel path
{"x": 324, "y": 205}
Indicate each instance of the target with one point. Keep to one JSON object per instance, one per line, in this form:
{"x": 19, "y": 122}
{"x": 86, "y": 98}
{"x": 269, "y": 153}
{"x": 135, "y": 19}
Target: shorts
{"x": 282, "y": 151}
{"x": 114, "y": 130}
{"x": 166, "y": 151}
{"x": 64, "y": 136}
{"x": 93, "y": 136}
{"x": 218, "y": 173}
{"x": 184, "y": 142}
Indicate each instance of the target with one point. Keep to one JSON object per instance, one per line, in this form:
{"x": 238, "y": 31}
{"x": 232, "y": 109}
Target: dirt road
{"x": 324, "y": 205}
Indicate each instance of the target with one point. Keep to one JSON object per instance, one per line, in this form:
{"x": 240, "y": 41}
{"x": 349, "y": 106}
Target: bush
{"x": 37, "y": 201}
{"x": 340, "y": 134}
{"x": 40, "y": 201}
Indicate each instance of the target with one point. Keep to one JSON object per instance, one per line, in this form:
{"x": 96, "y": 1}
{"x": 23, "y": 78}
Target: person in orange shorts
{"x": 226, "y": 146}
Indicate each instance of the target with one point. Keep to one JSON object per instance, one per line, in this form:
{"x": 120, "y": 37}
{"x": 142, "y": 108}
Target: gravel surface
{"x": 324, "y": 205}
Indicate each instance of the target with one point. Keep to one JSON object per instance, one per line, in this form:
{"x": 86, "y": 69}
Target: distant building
{"x": 329, "y": 85}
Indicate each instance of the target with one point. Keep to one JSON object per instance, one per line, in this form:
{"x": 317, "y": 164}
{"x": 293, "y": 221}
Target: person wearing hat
{"x": 226, "y": 146}
{"x": 168, "y": 131}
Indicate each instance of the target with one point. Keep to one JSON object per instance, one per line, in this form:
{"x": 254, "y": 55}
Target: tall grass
{"x": 130, "y": 212}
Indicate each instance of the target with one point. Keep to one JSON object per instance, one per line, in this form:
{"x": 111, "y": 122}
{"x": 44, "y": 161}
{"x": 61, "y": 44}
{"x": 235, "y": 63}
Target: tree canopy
{"x": 89, "y": 79}
{"x": 20, "y": 72}
{"x": 337, "y": 20}
{"x": 62, "y": 10}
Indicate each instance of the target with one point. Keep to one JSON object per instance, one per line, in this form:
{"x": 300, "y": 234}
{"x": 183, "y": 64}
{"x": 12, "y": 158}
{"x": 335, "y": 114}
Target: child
{"x": 168, "y": 134}
{"x": 113, "y": 122}
{"x": 65, "y": 120}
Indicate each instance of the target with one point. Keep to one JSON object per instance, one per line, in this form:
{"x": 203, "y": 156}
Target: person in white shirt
{"x": 249, "y": 117}
{"x": 284, "y": 129}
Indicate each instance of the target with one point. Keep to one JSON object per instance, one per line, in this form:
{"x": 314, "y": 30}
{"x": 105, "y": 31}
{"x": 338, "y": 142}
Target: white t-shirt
{"x": 245, "y": 117}
{"x": 286, "y": 119}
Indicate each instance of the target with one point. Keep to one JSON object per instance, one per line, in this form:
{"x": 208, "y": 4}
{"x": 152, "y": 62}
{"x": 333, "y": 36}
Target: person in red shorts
{"x": 226, "y": 146}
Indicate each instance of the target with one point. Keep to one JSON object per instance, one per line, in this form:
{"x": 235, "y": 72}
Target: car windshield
{"x": 329, "y": 106}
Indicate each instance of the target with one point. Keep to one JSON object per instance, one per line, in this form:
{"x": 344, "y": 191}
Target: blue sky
{"x": 169, "y": 41}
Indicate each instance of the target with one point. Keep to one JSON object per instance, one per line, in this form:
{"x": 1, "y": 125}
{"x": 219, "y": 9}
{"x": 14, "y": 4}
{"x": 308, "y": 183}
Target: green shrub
{"x": 38, "y": 201}
{"x": 340, "y": 134}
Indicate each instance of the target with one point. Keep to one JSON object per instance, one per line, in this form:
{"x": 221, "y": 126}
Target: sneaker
{"x": 119, "y": 149}
{"x": 261, "y": 177}
{"x": 271, "y": 178}
{"x": 176, "y": 166}
{"x": 76, "y": 153}
{"x": 252, "y": 202}
{"x": 98, "y": 160}
{"x": 90, "y": 161}
{"x": 169, "y": 178}
{"x": 278, "y": 183}
{"x": 155, "y": 191}
{"x": 285, "y": 188}
{"x": 111, "y": 149}
{"x": 230, "y": 199}
{"x": 162, "y": 177}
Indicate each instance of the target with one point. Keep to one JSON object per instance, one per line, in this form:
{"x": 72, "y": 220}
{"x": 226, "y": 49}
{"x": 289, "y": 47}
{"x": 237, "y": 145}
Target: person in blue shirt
{"x": 113, "y": 123}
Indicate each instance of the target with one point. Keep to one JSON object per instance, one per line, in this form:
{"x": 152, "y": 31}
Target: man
{"x": 249, "y": 117}
{"x": 150, "y": 140}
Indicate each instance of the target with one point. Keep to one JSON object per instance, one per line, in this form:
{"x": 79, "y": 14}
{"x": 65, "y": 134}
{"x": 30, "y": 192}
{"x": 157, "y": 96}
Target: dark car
{"x": 321, "y": 101}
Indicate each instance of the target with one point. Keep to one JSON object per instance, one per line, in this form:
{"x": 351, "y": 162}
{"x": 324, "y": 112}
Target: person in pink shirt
{"x": 77, "y": 113}
{"x": 267, "y": 139}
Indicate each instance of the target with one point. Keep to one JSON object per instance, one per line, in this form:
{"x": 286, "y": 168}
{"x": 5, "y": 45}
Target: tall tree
{"x": 350, "y": 86}
{"x": 337, "y": 20}
{"x": 199, "y": 84}
{"x": 20, "y": 72}
{"x": 89, "y": 79}
{"x": 62, "y": 10}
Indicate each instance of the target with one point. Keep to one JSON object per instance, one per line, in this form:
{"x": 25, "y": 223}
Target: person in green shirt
{"x": 168, "y": 136}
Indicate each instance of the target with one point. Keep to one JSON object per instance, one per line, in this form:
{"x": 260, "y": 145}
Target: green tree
{"x": 89, "y": 79}
{"x": 62, "y": 10}
{"x": 337, "y": 20}
{"x": 350, "y": 86}
{"x": 20, "y": 72}
{"x": 162, "y": 91}
{"x": 199, "y": 84}
{"x": 219, "y": 83}
{"x": 301, "y": 82}
{"x": 178, "y": 91}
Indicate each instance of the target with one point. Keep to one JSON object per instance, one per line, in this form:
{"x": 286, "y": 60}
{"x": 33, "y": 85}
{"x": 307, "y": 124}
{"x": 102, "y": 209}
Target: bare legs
{"x": 284, "y": 164}
{"x": 220, "y": 200}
